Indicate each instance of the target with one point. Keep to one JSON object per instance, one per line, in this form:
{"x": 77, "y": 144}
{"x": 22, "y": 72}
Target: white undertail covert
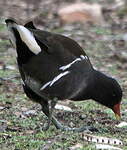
{"x": 26, "y": 36}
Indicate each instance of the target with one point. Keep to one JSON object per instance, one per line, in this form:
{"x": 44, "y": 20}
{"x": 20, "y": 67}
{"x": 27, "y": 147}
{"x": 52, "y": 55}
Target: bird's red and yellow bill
{"x": 116, "y": 110}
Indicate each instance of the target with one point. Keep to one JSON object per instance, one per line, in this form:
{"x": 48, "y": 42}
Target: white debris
{"x": 2, "y": 108}
{"x": 100, "y": 139}
{"x": 11, "y": 67}
{"x": 30, "y": 113}
{"x": 122, "y": 124}
{"x": 106, "y": 147}
{"x": 62, "y": 107}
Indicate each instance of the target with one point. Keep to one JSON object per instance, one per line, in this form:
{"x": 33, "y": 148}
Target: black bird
{"x": 54, "y": 67}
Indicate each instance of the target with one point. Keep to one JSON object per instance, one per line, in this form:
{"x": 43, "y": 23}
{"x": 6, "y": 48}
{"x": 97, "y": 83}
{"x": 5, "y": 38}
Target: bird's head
{"x": 108, "y": 92}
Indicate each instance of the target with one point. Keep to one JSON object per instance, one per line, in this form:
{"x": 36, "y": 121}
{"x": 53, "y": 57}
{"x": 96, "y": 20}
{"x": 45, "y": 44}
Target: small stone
{"x": 106, "y": 147}
{"x": 62, "y": 107}
{"x": 82, "y": 117}
{"x": 122, "y": 124}
{"x": 30, "y": 113}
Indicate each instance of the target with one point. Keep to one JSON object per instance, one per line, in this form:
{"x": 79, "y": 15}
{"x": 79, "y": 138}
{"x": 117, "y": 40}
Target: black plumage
{"x": 57, "y": 68}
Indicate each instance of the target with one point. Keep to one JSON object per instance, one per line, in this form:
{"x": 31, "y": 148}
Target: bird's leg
{"x": 45, "y": 109}
{"x": 52, "y": 104}
{"x": 48, "y": 112}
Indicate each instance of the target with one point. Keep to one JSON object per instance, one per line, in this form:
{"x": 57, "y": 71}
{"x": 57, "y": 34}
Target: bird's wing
{"x": 55, "y": 43}
{"x": 62, "y": 49}
{"x": 56, "y": 67}
{"x": 48, "y": 38}
{"x": 52, "y": 40}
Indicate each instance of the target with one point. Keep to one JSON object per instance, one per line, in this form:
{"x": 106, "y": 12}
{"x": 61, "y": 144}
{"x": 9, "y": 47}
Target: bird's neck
{"x": 94, "y": 89}
{"x": 100, "y": 87}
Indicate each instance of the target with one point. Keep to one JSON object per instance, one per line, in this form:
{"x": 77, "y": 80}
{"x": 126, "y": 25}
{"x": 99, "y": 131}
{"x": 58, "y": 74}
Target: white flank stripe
{"x": 28, "y": 38}
{"x": 69, "y": 65}
{"x": 83, "y": 57}
{"x": 45, "y": 85}
{"x": 50, "y": 83}
{"x": 58, "y": 77}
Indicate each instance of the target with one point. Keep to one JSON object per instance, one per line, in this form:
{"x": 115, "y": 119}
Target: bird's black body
{"x": 62, "y": 70}
{"x": 54, "y": 55}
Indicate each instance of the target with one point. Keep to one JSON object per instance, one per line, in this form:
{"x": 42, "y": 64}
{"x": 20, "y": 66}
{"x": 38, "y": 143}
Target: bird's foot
{"x": 58, "y": 125}
{"x": 81, "y": 129}
{"x": 46, "y": 126}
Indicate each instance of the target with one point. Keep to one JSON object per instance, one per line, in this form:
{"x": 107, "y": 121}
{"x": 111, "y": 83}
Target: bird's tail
{"x": 20, "y": 33}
